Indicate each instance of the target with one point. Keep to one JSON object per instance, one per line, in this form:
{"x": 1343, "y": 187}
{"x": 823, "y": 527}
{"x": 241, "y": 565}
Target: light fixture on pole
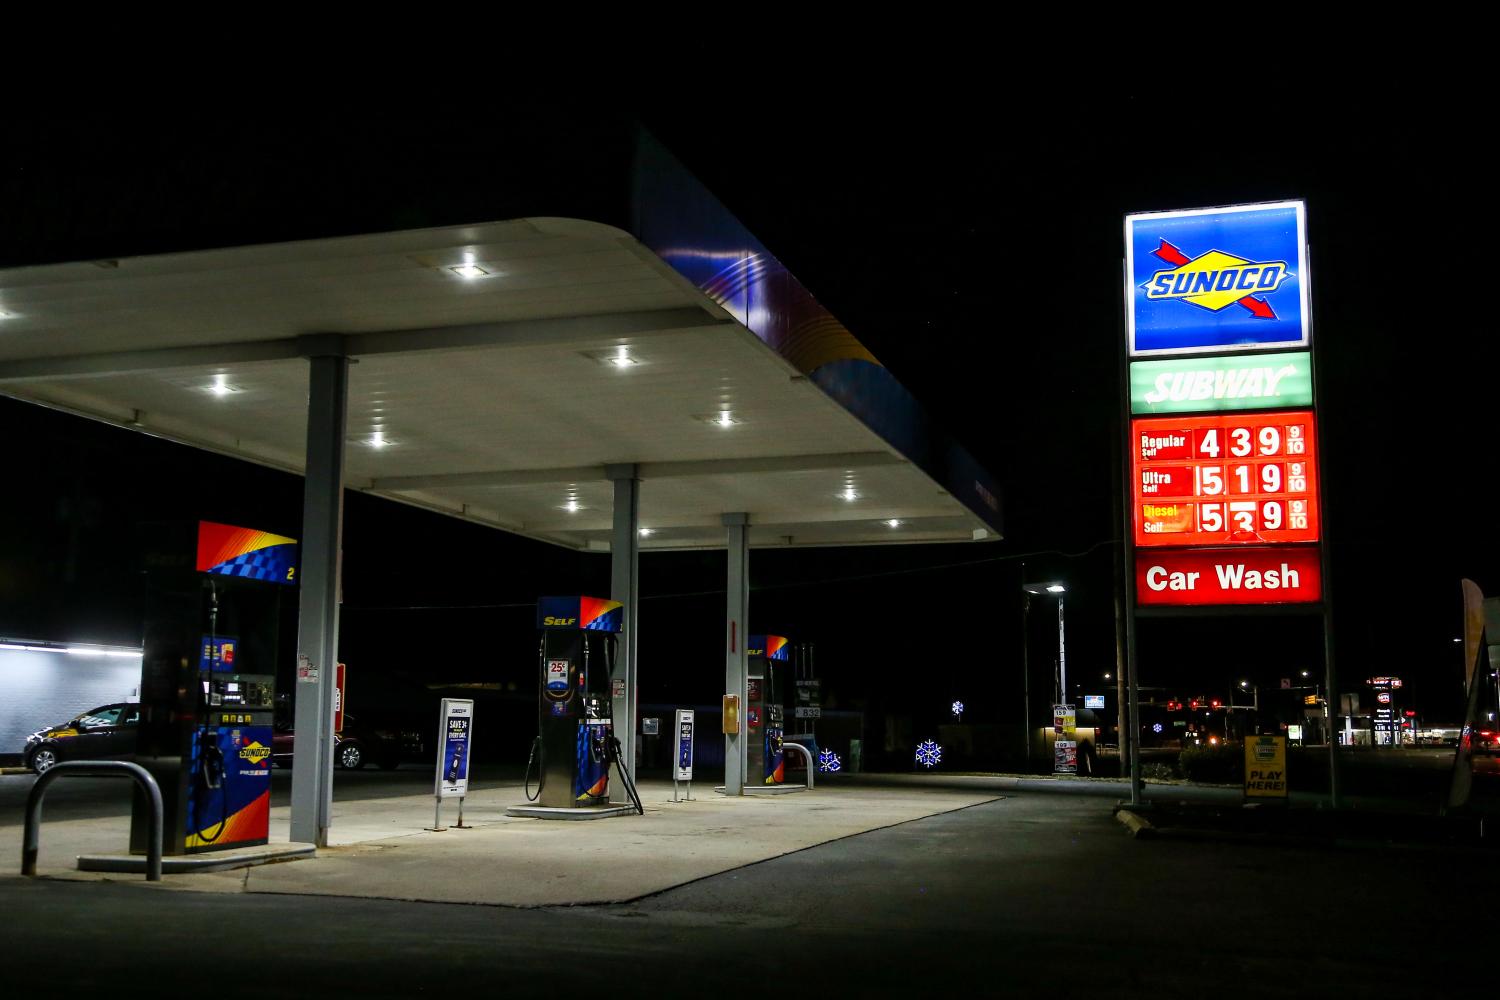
{"x": 1056, "y": 588}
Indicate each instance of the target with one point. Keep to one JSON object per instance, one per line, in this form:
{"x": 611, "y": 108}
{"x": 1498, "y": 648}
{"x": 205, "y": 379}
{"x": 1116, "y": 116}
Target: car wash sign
{"x": 1224, "y": 497}
{"x": 1210, "y": 280}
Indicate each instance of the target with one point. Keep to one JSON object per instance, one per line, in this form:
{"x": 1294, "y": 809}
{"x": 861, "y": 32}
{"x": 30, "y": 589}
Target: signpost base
{"x": 437, "y": 817}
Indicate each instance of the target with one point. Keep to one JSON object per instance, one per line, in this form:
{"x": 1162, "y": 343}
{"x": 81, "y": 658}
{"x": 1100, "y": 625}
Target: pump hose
{"x": 611, "y": 648}
{"x": 536, "y": 744}
{"x": 210, "y": 758}
{"x": 635, "y": 799}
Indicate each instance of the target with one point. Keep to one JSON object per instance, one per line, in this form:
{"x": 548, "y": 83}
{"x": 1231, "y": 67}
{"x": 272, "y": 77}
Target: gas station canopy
{"x": 502, "y": 371}
{"x": 646, "y": 376}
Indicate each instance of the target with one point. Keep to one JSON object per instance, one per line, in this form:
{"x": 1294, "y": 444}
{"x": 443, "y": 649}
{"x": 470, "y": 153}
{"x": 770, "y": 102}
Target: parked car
{"x": 356, "y": 746}
{"x": 104, "y": 733}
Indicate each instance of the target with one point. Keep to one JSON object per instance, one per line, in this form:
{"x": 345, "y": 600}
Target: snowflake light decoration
{"x": 958, "y": 709}
{"x": 828, "y": 762}
{"x": 1156, "y": 727}
{"x": 929, "y": 754}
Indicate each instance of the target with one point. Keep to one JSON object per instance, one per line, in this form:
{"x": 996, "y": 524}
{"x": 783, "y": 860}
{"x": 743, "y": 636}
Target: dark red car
{"x": 356, "y": 746}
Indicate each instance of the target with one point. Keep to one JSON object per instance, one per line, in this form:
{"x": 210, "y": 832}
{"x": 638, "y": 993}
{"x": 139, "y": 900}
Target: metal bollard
{"x": 811, "y": 764}
{"x": 31, "y": 841}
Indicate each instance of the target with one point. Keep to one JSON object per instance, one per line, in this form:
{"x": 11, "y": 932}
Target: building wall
{"x": 44, "y": 689}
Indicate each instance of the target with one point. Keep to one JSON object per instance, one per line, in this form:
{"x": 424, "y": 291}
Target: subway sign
{"x": 1227, "y": 479}
{"x": 1228, "y": 382}
{"x": 1217, "y": 279}
{"x": 1279, "y": 574}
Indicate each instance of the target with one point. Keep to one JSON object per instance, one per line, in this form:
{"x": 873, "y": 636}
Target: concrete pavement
{"x": 1028, "y": 895}
{"x": 380, "y": 849}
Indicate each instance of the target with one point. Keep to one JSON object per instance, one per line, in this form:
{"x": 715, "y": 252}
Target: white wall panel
{"x": 44, "y": 689}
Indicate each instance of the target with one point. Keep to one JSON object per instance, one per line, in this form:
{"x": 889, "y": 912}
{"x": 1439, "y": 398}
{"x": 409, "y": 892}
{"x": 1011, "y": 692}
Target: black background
{"x": 946, "y": 240}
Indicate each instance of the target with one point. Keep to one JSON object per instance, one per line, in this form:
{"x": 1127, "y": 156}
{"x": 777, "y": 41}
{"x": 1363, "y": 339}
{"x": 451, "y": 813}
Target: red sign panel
{"x": 338, "y": 700}
{"x": 1272, "y": 575}
{"x": 1224, "y": 479}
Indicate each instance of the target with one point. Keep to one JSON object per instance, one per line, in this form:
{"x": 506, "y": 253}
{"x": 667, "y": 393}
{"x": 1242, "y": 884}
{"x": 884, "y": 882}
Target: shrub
{"x": 1223, "y": 764}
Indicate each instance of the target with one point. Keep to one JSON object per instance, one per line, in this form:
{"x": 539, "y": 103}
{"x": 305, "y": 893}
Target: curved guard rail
{"x": 811, "y": 764}
{"x": 32, "y": 839}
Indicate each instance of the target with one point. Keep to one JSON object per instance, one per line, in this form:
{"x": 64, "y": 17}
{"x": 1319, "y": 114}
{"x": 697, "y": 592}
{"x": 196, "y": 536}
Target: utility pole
{"x": 1025, "y": 666}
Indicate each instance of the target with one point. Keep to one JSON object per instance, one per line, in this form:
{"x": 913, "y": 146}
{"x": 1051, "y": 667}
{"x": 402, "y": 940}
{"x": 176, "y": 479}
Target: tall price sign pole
{"x": 1222, "y": 469}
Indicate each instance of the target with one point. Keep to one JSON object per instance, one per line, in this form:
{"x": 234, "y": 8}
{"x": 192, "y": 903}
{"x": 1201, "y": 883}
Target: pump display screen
{"x": 1224, "y": 479}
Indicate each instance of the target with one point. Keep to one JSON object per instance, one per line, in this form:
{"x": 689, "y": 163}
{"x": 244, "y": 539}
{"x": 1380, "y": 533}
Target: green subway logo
{"x": 1230, "y": 382}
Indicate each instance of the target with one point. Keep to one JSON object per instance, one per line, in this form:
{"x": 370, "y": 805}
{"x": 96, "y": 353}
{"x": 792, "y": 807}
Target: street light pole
{"x": 1025, "y": 668}
{"x": 1060, "y": 676}
{"x": 1062, "y": 656}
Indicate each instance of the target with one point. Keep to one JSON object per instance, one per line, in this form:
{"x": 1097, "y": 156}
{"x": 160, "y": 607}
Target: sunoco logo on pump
{"x": 255, "y": 752}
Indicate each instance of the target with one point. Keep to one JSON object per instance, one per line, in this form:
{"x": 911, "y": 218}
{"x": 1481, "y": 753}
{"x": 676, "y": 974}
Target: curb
{"x": 15, "y": 770}
{"x": 1139, "y": 826}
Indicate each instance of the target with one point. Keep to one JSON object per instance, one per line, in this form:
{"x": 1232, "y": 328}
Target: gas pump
{"x": 575, "y": 743}
{"x": 208, "y": 682}
{"x": 764, "y": 716}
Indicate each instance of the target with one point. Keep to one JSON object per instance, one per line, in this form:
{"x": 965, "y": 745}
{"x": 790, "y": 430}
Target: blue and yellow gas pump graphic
{"x": 238, "y": 810}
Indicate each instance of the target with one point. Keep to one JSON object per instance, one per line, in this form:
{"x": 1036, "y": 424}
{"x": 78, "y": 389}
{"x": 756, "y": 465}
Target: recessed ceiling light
{"x": 619, "y": 357}
{"x": 894, "y": 523}
{"x": 221, "y": 387}
{"x": 849, "y": 494}
{"x": 468, "y": 270}
{"x": 7, "y": 314}
{"x": 723, "y": 418}
{"x": 647, "y": 531}
{"x": 379, "y": 440}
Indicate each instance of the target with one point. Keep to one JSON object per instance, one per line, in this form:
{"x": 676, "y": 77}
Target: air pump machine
{"x": 208, "y": 682}
{"x": 764, "y": 716}
{"x": 575, "y": 743}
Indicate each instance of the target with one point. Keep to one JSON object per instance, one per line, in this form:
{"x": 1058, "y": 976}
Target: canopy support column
{"x": 318, "y": 620}
{"x": 736, "y": 661}
{"x": 624, "y": 586}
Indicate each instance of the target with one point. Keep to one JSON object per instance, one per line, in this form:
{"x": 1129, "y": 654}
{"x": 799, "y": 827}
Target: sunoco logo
{"x": 255, "y": 753}
{"x": 1217, "y": 280}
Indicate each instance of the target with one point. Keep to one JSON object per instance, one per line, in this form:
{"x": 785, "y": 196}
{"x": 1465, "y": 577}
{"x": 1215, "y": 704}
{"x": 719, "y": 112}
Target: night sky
{"x": 978, "y": 256}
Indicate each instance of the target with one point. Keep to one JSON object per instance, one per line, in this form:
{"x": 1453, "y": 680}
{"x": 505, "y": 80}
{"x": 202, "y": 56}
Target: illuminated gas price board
{"x": 1224, "y": 479}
